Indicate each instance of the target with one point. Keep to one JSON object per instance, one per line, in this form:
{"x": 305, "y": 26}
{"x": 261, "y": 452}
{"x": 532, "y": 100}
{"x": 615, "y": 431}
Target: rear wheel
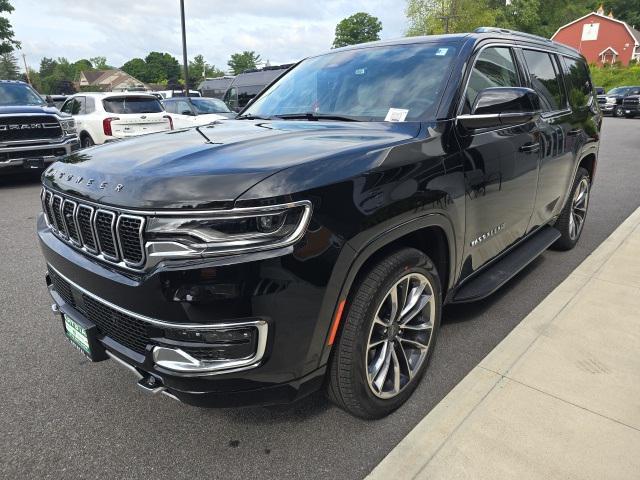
{"x": 388, "y": 335}
{"x": 571, "y": 221}
{"x": 87, "y": 141}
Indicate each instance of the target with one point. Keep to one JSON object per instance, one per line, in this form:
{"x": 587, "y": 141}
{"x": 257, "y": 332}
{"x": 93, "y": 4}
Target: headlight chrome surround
{"x": 227, "y": 232}
{"x": 68, "y": 126}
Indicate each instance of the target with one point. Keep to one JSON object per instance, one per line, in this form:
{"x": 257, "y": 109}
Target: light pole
{"x": 185, "y": 66}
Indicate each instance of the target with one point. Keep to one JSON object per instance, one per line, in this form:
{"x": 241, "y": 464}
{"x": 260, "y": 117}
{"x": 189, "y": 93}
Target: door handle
{"x": 530, "y": 148}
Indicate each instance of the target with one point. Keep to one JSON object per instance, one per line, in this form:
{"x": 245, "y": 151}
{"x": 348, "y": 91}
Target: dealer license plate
{"x": 77, "y": 334}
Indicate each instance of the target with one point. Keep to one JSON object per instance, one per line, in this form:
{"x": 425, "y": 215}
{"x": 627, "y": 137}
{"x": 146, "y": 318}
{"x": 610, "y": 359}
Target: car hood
{"x": 30, "y": 110}
{"x": 211, "y": 166}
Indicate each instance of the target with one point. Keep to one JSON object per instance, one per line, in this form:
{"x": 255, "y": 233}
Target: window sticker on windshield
{"x": 442, "y": 52}
{"x": 361, "y": 71}
{"x": 396, "y": 115}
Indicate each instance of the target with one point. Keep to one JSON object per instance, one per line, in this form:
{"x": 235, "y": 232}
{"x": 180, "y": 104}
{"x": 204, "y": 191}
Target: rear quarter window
{"x": 578, "y": 82}
{"x": 131, "y": 104}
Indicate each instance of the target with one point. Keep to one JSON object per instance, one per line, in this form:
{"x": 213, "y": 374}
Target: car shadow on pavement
{"x": 20, "y": 180}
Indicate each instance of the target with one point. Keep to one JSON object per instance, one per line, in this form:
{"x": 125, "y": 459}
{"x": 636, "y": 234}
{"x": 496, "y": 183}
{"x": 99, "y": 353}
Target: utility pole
{"x": 185, "y": 66}
{"x": 26, "y": 69}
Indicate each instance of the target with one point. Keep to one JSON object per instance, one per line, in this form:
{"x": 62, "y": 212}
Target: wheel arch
{"x": 432, "y": 234}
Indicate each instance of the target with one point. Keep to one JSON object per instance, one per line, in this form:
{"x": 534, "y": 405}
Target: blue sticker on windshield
{"x": 442, "y": 52}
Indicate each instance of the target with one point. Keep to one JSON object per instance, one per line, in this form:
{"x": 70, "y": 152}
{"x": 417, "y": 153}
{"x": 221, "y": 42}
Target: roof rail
{"x": 511, "y": 32}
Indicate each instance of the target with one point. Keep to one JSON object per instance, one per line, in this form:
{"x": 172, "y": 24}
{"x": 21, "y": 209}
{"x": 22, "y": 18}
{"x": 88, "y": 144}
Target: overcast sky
{"x": 281, "y": 31}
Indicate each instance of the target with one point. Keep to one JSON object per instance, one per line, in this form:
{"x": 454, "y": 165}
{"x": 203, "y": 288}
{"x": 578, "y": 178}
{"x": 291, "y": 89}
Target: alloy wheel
{"x": 579, "y": 208}
{"x": 400, "y": 335}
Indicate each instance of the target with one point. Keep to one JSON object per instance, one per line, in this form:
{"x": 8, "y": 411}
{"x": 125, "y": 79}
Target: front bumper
{"x": 631, "y": 109}
{"x": 287, "y": 368}
{"x": 12, "y": 158}
{"x": 608, "y": 107}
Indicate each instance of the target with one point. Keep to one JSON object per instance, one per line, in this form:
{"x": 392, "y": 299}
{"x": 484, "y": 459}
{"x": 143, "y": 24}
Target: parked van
{"x": 249, "y": 84}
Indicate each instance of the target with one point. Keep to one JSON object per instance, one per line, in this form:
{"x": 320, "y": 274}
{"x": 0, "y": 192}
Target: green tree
{"x": 136, "y": 67}
{"x": 625, "y": 10}
{"x": 428, "y": 17}
{"x": 7, "y": 42}
{"x": 9, "y": 67}
{"x": 358, "y": 28}
{"x": 522, "y": 15}
{"x": 199, "y": 70}
{"x": 47, "y": 66}
{"x": 161, "y": 67}
{"x": 246, "y": 60}
{"x": 99, "y": 63}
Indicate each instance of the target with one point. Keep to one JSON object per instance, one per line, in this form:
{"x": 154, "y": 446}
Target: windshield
{"x": 131, "y": 104}
{"x": 18, "y": 94}
{"x": 209, "y": 105}
{"x": 369, "y": 84}
{"x": 618, "y": 91}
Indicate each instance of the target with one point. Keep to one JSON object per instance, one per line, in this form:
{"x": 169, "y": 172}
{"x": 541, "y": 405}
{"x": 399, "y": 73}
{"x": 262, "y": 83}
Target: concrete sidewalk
{"x": 559, "y": 398}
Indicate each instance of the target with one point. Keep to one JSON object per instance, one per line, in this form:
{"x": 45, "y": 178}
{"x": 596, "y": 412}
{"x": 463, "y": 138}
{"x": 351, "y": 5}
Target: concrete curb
{"x": 445, "y": 442}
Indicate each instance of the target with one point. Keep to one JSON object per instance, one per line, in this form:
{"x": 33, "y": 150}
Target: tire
{"x": 349, "y": 383}
{"x": 618, "y": 111}
{"x": 565, "y": 224}
{"x": 86, "y": 141}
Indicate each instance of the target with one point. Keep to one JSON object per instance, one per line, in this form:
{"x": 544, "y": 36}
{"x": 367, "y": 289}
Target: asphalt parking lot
{"x": 62, "y": 417}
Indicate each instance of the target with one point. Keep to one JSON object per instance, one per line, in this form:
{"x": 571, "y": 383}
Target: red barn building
{"x": 601, "y": 38}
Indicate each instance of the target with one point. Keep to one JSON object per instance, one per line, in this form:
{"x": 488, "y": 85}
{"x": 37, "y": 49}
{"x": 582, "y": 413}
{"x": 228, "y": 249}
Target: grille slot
{"x": 35, "y": 127}
{"x": 124, "y": 329}
{"x": 111, "y": 236}
{"x": 130, "y": 236}
{"x": 105, "y": 227}
{"x": 62, "y": 287}
{"x": 85, "y": 224}
{"x": 69, "y": 216}
{"x": 56, "y": 208}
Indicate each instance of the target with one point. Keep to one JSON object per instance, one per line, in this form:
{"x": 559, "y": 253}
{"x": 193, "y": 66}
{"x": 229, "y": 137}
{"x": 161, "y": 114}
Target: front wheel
{"x": 87, "y": 141}
{"x": 618, "y": 112}
{"x": 389, "y": 330}
{"x": 571, "y": 220}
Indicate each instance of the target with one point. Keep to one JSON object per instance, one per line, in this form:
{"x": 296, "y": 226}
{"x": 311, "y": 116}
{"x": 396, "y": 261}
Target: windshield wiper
{"x": 314, "y": 117}
{"x": 249, "y": 116}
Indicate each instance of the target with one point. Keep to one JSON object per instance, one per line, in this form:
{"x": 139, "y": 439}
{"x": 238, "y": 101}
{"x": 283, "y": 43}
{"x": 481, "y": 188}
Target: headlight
{"x": 68, "y": 126}
{"x": 611, "y": 100}
{"x": 234, "y": 231}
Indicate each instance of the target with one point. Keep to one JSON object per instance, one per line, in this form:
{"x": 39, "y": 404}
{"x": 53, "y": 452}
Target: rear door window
{"x": 546, "y": 79}
{"x": 578, "y": 82}
{"x": 494, "y": 67}
{"x": 131, "y": 104}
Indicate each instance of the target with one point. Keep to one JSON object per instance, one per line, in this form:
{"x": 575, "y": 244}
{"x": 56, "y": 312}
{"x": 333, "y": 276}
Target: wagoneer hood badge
{"x": 57, "y": 174}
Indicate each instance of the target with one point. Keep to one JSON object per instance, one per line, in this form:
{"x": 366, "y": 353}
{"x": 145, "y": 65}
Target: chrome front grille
{"x": 107, "y": 234}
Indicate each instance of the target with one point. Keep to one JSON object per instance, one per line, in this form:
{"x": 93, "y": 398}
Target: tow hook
{"x": 151, "y": 384}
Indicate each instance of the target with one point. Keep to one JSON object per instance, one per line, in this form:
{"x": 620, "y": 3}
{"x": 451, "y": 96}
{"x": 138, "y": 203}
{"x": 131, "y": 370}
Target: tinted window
{"x": 131, "y": 104}
{"x": 73, "y": 106}
{"x": 209, "y": 105}
{"x": 494, "y": 67}
{"x": 364, "y": 83}
{"x": 183, "y": 108}
{"x": 170, "y": 107}
{"x": 545, "y": 80}
{"x": 230, "y": 98}
{"x": 18, "y": 94}
{"x": 247, "y": 93}
{"x": 578, "y": 82}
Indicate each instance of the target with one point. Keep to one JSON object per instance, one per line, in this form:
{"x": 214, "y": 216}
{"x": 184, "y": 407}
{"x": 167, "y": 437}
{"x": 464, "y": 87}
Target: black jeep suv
{"x": 32, "y": 134}
{"x": 312, "y": 242}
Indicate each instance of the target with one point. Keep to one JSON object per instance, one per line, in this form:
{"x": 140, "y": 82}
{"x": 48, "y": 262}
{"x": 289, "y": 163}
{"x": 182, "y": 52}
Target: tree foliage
{"x": 239, "y": 62}
{"x": 611, "y": 76}
{"x": 199, "y": 69}
{"x": 157, "y": 67}
{"x": 99, "y": 63}
{"x": 7, "y": 42}
{"x": 358, "y": 28}
{"x": 9, "y": 67}
{"x": 540, "y": 17}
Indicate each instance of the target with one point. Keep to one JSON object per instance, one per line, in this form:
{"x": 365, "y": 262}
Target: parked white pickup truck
{"x": 102, "y": 117}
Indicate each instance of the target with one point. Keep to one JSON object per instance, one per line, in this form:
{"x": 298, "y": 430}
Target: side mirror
{"x": 502, "y": 106}
{"x": 49, "y": 101}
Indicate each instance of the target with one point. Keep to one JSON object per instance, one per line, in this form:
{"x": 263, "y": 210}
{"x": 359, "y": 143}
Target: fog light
{"x": 222, "y": 336}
